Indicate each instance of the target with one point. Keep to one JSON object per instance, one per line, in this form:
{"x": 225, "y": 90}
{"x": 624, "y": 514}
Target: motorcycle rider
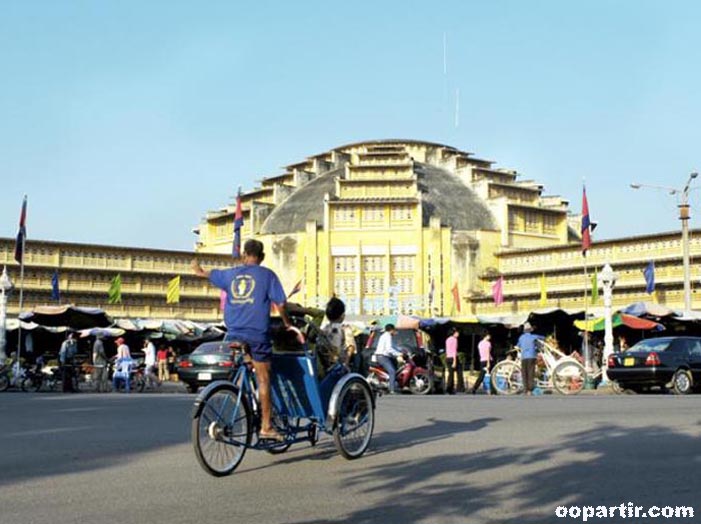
{"x": 386, "y": 355}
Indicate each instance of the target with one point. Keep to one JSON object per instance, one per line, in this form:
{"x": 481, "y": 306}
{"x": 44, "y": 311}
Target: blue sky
{"x": 125, "y": 121}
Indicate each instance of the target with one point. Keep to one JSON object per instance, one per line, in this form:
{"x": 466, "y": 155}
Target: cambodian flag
{"x": 586, "y": 224}
{"x": 238, "y": 224}
{"x": 55, "y": 291}
{"x": 649, "y": 274}
{"x": 22, "y": 234}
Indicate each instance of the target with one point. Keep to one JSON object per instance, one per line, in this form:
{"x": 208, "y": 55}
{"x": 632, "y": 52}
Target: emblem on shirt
{"x": 242, "y": 289}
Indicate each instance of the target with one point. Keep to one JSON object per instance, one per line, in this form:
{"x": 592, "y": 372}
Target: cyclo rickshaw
{"x": 226, "y": 414}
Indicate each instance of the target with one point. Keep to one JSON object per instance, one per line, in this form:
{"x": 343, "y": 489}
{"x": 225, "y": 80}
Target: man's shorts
{"x": 260, "y": 351}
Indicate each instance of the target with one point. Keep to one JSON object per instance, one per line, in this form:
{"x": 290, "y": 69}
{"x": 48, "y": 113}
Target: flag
{"x": 238, "y": 224}
{"x": 22, "y": 233}
{"x": 456, "y": 297}
{"x": 431, "y": 292}
{"x": 543, "y": 291}
{"x": 498, "y": 291}
{"x": 649, "y": 273}
{"x": 586, "y": 224}
{"x": 173, "y": 292}
{"x": 595, "y": 288}
{"x": 222, "y": 300}
{"x": 55, "y": 292}
{"x": 114, "y": 293}
{"x": 296, "y": 289}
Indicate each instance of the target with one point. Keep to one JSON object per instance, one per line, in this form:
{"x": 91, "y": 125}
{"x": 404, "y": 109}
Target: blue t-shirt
{"x": 527, "y": 344}
{"x": 250, "y": 290}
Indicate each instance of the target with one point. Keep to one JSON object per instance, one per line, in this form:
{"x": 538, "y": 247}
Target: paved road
{"x": 127, "y": 459}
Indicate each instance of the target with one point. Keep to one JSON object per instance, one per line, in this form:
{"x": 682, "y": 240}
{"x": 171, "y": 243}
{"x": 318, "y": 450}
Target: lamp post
{"x": 607, "y": 280}
{"x": 5, "y": 287}
{"x": 684, "y": 217}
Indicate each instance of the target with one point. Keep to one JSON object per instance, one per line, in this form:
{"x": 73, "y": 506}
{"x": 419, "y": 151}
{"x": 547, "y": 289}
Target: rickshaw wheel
{"x": 221, "y": 430}
{"x": 355, "y": 419}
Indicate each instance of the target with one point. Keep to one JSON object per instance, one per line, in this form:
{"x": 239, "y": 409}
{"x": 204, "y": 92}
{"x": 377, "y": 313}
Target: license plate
{"x": 629, "y": 361}
{"x": 204, "y": 376}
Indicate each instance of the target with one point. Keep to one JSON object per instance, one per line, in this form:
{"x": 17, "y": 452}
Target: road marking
{"x": 49, "y": 431}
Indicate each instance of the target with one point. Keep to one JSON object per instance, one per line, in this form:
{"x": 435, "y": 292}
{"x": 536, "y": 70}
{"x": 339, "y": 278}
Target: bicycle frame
{"x": 296, "y": 394}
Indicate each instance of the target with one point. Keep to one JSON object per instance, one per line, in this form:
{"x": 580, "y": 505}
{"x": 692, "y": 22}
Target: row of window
{"x": 531, "y": 221}
{"x": 374, "y": 213}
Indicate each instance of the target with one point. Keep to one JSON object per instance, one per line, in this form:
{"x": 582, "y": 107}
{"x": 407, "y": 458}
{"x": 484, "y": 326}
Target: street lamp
{"x": 607, "y": 280}
{"x": 684, "y": 217}
{"x": 5, "y": 287}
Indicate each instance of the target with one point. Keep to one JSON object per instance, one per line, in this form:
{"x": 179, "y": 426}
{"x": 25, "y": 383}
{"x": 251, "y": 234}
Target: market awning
{"x": 68, "y": 315}
{"x": 619, "y": 319}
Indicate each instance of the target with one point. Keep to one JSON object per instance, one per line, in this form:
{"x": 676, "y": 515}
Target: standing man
{"x": 385, "y": 355}
{"x": 122, "y": 349}
{"x": 99, "y": 361}
{"x": 485, "y": 350}
{"x": 162, "y": 357}
{"x": 65, "y": 358}
{"x": 251, "y": 289}
{"x": 451, "y": 359}
{"x": 527, "y": 343}
{"x": 150, "y": 362}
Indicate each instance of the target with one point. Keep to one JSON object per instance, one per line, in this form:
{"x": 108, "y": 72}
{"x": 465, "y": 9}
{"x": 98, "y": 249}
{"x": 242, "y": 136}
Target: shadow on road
{"x": 607, "y": 466}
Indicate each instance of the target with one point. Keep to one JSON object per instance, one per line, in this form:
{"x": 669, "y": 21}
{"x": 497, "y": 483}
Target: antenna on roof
{"x": 457, "y": 107}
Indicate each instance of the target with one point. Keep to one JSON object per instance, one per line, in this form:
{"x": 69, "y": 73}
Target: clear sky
{"x": 124, "y": 122}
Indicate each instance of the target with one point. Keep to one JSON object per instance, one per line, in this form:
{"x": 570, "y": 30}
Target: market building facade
{"x": 403, "y": 226}
{"x": 395, "y": 226}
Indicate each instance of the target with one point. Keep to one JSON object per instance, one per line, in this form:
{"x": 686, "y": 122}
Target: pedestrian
{"x": 162, "y": 359}
{"x": 485, "y": 350}
{"x": 122, "y": 373}
{"x": 99, "y": 362}
{"x": 339, "y": 335}
{"x": 150, "y": 363}
{"x": 251, "y": 290}
{"x": 122, "y": 349}
{"x": 451, "y": 358}
{"x": 386, "y": 355}
{"x": 527, "y": 343}
{"x": 66, "y": 355}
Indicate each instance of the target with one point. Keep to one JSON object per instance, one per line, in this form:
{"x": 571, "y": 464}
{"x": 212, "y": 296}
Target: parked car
{"x": 666, "y": 362}
{"x": 412, "y": 341}
{"x": 210, "y": 361}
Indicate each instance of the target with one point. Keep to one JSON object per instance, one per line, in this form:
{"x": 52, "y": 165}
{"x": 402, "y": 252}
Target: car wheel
{"x": 191, "y": 388}
{"x": 681, "y": 382}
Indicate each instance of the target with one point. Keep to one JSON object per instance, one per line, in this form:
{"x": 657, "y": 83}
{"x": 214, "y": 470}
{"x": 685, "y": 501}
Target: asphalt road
{"x": 127, "y": 459}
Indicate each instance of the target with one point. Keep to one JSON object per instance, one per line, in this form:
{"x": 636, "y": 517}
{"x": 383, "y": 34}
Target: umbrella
{"x": 68, "y": 315}
{"x": 619, "y": 319}
{"x": 101, "y": 332}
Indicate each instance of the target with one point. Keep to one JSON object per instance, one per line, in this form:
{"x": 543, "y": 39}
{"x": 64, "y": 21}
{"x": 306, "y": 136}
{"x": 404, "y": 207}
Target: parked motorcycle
{"x": 409, "y": 376}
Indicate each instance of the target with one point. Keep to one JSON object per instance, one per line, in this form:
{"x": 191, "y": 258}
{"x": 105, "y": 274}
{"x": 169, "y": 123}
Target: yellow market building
{"x": 394, "y": 226}
{"x": 406, "y": 226}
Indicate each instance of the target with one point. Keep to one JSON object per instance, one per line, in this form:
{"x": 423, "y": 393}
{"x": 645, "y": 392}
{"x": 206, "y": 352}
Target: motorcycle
{"x": 409, "y": 376}
{"x": 11, "y": 375}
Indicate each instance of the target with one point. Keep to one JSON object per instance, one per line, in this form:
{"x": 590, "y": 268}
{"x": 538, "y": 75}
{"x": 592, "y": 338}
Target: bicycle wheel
{"x": 30, "y": 383}
{"x": 569, "y": 377}
{"x": 4, "y": 382}
{"x": 355, "y": 419}
{"x": 222, "y": 430}
{"x": 506, "y": 378}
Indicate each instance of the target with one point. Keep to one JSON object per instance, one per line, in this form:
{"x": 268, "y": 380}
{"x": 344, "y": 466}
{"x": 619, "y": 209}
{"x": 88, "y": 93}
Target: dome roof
{"x": 443, "y": 195}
